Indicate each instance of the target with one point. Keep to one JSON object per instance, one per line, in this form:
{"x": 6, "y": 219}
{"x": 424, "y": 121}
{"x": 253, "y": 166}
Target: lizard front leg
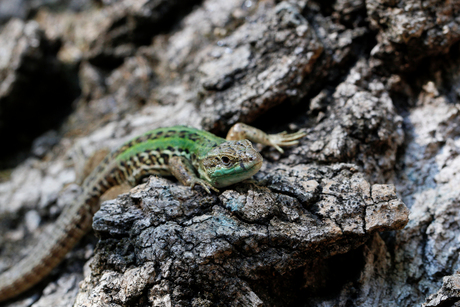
{"x": 183, "y": 170}
{"x": 241, "y": 131}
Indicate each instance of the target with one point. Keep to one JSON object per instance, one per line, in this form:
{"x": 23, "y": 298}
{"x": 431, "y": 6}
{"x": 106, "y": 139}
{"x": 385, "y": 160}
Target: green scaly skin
{"x": 193, "y": 156}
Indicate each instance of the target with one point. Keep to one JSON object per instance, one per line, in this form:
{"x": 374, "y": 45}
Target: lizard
{"x": 193, "y": 156}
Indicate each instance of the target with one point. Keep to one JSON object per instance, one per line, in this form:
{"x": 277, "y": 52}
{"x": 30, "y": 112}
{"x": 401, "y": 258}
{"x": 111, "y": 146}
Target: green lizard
{"x": 193, "y": 156}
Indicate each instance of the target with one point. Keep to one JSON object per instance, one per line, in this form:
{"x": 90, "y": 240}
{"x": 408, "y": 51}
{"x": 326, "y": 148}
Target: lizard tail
{"x": 53, "y": 245}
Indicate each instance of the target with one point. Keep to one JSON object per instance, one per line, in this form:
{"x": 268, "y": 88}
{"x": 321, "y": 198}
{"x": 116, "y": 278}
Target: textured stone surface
{"x": 448, "y": 294}
{"x": 28, "y": 65}
{"x": 375, "y": 84}
{"x": 258, "y": 66}
{"x": 407, "y": 27}
{"x": 163, "y": 242}
{"x": 351, "y": 122}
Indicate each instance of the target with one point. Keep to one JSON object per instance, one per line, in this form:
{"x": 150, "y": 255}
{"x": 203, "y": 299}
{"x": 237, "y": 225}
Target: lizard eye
{"x": 225, "y": 160}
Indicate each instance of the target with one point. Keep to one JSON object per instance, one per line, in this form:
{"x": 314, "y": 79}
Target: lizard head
{"x": 230, "y": 162}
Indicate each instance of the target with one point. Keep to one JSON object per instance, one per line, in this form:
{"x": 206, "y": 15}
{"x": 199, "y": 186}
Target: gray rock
{"x": 28, "y": 105}
{"x": 61, "y": 293}
{"x": 181, "y": 247}
{"x": 22, "y": 9}
{"x": 351, "y": 123}
{"x": 266, "y": 62}
{"x": 406, "y": 27}
{"x": 375, "y": 84}
{"x": 32, "y": 220}
{"x": 448, "y": 294}
{"x": 44, "y": 143}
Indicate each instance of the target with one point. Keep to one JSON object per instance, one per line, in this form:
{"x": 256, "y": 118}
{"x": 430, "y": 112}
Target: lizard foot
{"x": 284, "y": 139}
{"x": 206, "y": 185}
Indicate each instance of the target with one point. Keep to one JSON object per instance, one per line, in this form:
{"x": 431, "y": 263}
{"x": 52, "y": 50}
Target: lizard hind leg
{"x": 114, "y": 191}
{"x": 241, "y": 131}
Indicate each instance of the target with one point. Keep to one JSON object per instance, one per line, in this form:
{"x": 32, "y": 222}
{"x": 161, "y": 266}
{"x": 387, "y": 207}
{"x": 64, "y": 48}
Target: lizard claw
{"x": 284, "y": 139}
{"x": 206, "y": 185}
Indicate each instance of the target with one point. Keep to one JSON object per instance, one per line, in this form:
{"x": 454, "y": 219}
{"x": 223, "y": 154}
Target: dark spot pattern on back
{"x": 129, "y": 170}
{"x": 165, "y": 158}
{"x": 91, "y": 179}
{"x": 122, "y": 176}
{"x": 100, "y": 168}
{"x": 135, "y": 161}
{"x": 182, "y": 134}
{"x": 140, "y": 158}
{"x": 170, "y": 133}
{"x": 111, "y": 179}
{"x": 193, "y": 137}
{"x": 149, "y": 136}
{"x": 121, "y": 150}
{"x": 141, "y": 139}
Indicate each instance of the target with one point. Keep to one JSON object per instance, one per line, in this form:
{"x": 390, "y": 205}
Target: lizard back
{"x": 147, "y": 154}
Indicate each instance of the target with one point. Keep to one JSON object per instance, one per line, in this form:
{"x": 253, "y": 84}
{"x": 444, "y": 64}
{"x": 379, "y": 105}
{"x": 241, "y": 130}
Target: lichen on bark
{"x": 374, "y": 84}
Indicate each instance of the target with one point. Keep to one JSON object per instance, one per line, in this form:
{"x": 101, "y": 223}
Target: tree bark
{"x": 363, "y": 212}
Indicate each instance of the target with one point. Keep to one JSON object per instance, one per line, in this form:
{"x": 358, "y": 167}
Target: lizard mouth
{"x": 257, "y": 165}
{"x": 240, "y": 175}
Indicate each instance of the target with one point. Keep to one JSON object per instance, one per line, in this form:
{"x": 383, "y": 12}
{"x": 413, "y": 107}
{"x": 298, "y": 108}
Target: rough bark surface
{"x": 28, "y": 65}
{"x": 165, "y": 244}
{"x": 375, "y": 84}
